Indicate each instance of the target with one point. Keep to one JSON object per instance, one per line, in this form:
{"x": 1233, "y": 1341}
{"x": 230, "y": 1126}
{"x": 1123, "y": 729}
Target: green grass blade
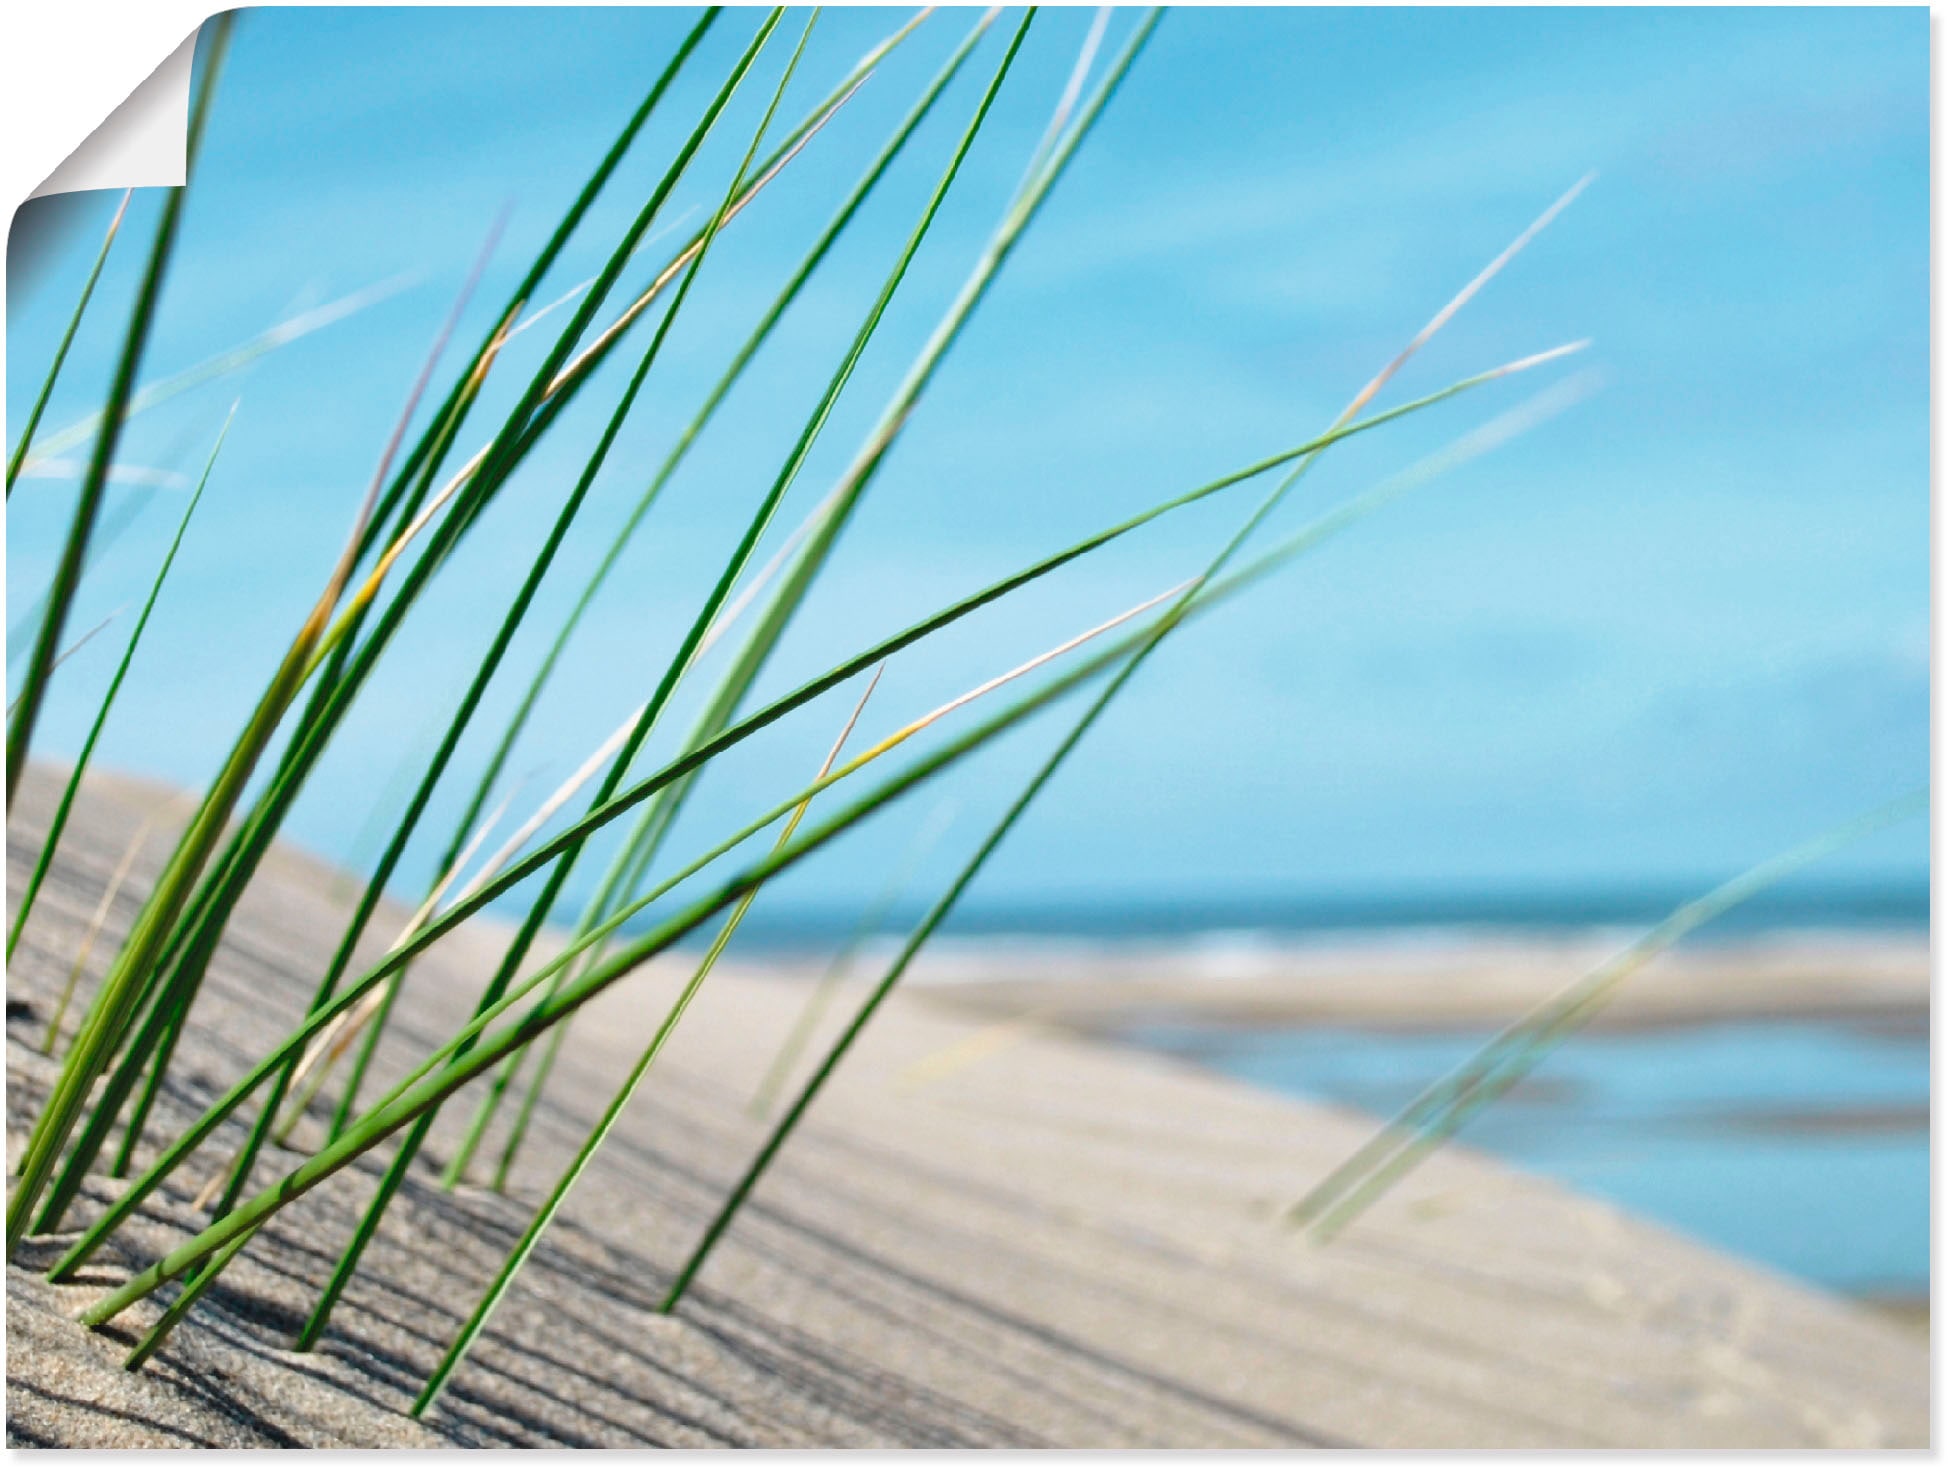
{"x": 1442, "y": 1108}
{"x": 788, "y": 293}
{"x": 516, "y": 613}
{"x": 821, "y": 996}
{"x": 233, "y": 359}
{"x": 837, "y": 1051}
{"x": 20, "y": 728}
{"x": 736, "y": 564}
{"x": 213, "y": 902}
{"x": 61, "y": 349}
{"x": 759, "y": 647}
{"x": 428, "y": 1087}
{"x": 65, "y": 805}
{"x": 70, "y": 1090}
{"x": 677, "y": 769}
{"x": 348, "y": 1261}
{"x": 168, "y": 984}
{"x": 544, "y": 1216}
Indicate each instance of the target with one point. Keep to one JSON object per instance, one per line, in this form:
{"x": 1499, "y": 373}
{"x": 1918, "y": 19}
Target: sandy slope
{"x": 1045, "y": 1242}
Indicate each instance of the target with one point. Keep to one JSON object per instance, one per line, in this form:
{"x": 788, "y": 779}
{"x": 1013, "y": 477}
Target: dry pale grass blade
{"x": 798, "y": 801}
{"x": 742, "y": 602}
{"x": 417, "y": 392}
{"x": 331, "y": 1044}
{"x": 519, "y": 1256}
{"x": 541, "y": 313}
{"x": 979, "y": 1045}
{"x": 1456, "y": 303}
{"x": 76, "y": 646}
{"x": 100, "y": 917}
{"x": 1441, "y": 1109}
{"x": 821, "y": 997}
{"x": 916, "y": 726}
{"x": 230, "y": 360}
{"x": 581, "y": 363}
{"x": 349, "y": 557}
{"x": 135, "y": 476}
{"x": 1067, "y": 101}
{"x": 614, "y": 741}
{"x": 369, "y": 588}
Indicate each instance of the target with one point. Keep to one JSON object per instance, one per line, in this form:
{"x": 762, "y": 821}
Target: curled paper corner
{"x": 143, "y": 143}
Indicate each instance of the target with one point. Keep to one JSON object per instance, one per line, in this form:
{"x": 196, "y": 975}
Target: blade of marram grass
{"x": 457, "y": 1350}
{"x": 213, "y": 902}
{"x": 820, "y": 998}
{"x": 429, "y": 1088}
{"x": 581, "y": 945}
{"x": 694, "y": 759}
{"x": 134, "y": 476}
{"x": 640, "y": 846}
{"x": 194, "y": 1287}
{"x": 633, "y": 853}
{"x": 76, "y": 646}
{"x": 423, "y": 1089}
{"x": 597, "y": 933}
{"x": 332, "y": 696}
{"x": 174, "y": 975}
{"x": 335, "y": 1039}
{"x": 784, "y": 1128}
{"x": 840, "y": 1047}
{"x": 685, "y": 764}
{"x": 572, "y": 374}
{"x": 283, "y": 333}
{"x": 518, "y": 608}
{"x": 1442, "y": 1108}
{"x": 96, "y": 921}
{"x": 1470, "y": 446}
{"x": 118, "y": 514}
{"x": 240, "y": 859}
{"x": 756, "y": 526}
{"x": 516, "y": 723}
{"x": 60, "y": 819}
{"x": 61, "y": 349}
{"x": 519, "y": 1127}
{"x": 739, "y": 680}
{"x": 163, "y": 964}
{"x": 788, "y": 293}
{"x": 170, "y": 984}
{"x": 70, "y": 1089}
{"x": 422, "y": 462}
{"x": 838, "y": 1050}
{"x": 249, "y": 1216}
{"x": 543, "y": 814}
{"x": 513, "y": 729}
{"x": 389, "y": 1184}
{"x": 114, "y": 521}
{"x": 20, "y": 728}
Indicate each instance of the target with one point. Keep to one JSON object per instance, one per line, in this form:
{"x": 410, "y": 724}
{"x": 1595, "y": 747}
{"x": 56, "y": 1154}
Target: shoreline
{"x": 1390, "y": 982}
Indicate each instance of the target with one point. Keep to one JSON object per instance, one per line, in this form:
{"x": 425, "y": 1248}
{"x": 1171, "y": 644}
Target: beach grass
{"x": 414, "y": 514}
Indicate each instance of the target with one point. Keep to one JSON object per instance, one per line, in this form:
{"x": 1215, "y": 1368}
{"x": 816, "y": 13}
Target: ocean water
{"x": 1803, "y": 1145}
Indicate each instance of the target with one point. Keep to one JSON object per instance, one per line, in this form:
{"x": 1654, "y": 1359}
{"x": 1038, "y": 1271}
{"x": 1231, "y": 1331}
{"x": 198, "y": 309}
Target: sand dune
{"x": 1049, "y": 1242}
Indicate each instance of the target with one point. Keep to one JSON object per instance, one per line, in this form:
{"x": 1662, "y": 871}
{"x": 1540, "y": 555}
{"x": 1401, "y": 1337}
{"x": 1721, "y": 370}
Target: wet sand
{"x": 1045, "y": 1242}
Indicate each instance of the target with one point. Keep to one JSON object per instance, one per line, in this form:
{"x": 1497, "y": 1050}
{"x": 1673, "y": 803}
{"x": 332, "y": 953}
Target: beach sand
{"x": 985, "y": 1235}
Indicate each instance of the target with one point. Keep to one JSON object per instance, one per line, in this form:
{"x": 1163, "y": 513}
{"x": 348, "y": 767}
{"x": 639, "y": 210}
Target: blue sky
{"x": 1660, "y": 637}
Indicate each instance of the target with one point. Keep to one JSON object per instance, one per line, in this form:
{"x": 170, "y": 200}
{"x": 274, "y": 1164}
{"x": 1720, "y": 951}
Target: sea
{"x": 1800, "y": 1144}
